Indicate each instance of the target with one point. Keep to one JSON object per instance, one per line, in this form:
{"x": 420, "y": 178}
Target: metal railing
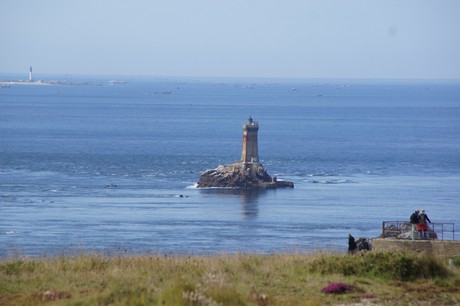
{"x": 436, "y": 230}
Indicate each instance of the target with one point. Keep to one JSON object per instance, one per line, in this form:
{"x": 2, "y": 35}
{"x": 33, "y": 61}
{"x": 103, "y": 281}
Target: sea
{"x": 109, "y": 165}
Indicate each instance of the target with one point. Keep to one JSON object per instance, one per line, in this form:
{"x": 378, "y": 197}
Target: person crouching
{"x": 351, "y": 244}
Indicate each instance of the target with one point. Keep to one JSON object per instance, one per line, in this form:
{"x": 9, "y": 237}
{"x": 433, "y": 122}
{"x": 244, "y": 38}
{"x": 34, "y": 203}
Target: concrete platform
{"x": 443, "y": 248}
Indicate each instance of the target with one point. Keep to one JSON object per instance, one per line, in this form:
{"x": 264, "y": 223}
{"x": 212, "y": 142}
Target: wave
{"x": 323, "y": 173}
{"x": 332, "y": 181}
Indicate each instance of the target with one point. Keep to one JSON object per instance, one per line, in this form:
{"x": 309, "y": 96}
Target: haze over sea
{"x": 110, "y": 167}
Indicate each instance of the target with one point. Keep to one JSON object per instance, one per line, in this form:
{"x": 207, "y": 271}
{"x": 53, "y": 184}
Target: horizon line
{"x": 103, "y": 75}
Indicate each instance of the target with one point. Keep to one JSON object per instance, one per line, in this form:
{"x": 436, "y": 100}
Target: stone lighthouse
{"x": 250, "y": 151}
{"x": 246, "y": 173}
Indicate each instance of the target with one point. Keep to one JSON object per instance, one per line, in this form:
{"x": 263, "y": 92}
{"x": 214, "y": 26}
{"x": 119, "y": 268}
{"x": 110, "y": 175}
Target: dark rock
{"x": 241, "y": 175}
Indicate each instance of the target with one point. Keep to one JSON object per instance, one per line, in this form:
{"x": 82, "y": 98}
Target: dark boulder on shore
{"x": 241, "y": 175}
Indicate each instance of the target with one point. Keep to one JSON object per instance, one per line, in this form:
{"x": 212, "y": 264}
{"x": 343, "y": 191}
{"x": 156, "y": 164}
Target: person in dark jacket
{"x": 422, "y": 224}
{"x": 414, "y": 223}
{"x": 351, "y": 244}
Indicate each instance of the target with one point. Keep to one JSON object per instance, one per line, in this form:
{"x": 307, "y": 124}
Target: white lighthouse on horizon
{"x": 30, "y": 74}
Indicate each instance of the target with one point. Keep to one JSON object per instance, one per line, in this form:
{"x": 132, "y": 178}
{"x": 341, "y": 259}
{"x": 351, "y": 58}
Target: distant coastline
{"x": 46, "y": 83}
{"x": 7, "y": 83}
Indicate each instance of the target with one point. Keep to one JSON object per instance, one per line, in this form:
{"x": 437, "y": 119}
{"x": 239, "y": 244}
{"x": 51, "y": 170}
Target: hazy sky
{"x": 247, "y": 38}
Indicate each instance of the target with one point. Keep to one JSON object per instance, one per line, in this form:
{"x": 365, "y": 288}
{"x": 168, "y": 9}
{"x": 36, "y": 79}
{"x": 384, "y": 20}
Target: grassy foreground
{"x": 241, "y": 279}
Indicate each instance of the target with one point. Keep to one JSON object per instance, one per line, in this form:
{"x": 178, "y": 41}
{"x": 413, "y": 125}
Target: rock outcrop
{"x": 241, "y": 175}
{"x": 248, "y": 172}
{"x": 404, "y": 231}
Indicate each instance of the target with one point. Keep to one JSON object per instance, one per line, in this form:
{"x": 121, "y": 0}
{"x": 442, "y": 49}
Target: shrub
{"x": 17, "y": 267}
{"x": 397, "y": 266}
{"x": 174, "y": 294}
{"x": 456, "y": 261}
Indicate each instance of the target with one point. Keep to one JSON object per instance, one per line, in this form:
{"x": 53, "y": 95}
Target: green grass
{"x": 241, "y": 279}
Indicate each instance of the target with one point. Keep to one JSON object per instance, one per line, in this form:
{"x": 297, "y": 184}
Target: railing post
{"x": 383, "y": 230}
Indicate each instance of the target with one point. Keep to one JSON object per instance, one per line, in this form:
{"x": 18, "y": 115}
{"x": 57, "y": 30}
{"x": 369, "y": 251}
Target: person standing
{"x": 351, "y": 244}
{"x": 414, "y": 223}
{"x": 422, "y": 224}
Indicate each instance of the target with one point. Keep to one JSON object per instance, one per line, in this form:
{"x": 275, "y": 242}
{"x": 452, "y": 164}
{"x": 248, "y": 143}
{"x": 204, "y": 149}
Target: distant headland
{"x": 47, "y": 83}
{"x": 33, "y": 82}
{"x": 8, "y": 83}
{"x": 248, "y": 172}
{"x": 29, "y": 81}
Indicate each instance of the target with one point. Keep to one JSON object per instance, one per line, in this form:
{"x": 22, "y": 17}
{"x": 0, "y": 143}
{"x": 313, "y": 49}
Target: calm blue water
{"x": 358, "y": 153}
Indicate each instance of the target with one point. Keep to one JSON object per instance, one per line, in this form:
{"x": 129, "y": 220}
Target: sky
{"x": 340, "y": 39}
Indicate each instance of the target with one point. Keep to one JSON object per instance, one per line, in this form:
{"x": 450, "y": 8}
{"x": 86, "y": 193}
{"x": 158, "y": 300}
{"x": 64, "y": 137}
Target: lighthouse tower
{"x": 30, "y": 74}
{"x": 250, "y": 151}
